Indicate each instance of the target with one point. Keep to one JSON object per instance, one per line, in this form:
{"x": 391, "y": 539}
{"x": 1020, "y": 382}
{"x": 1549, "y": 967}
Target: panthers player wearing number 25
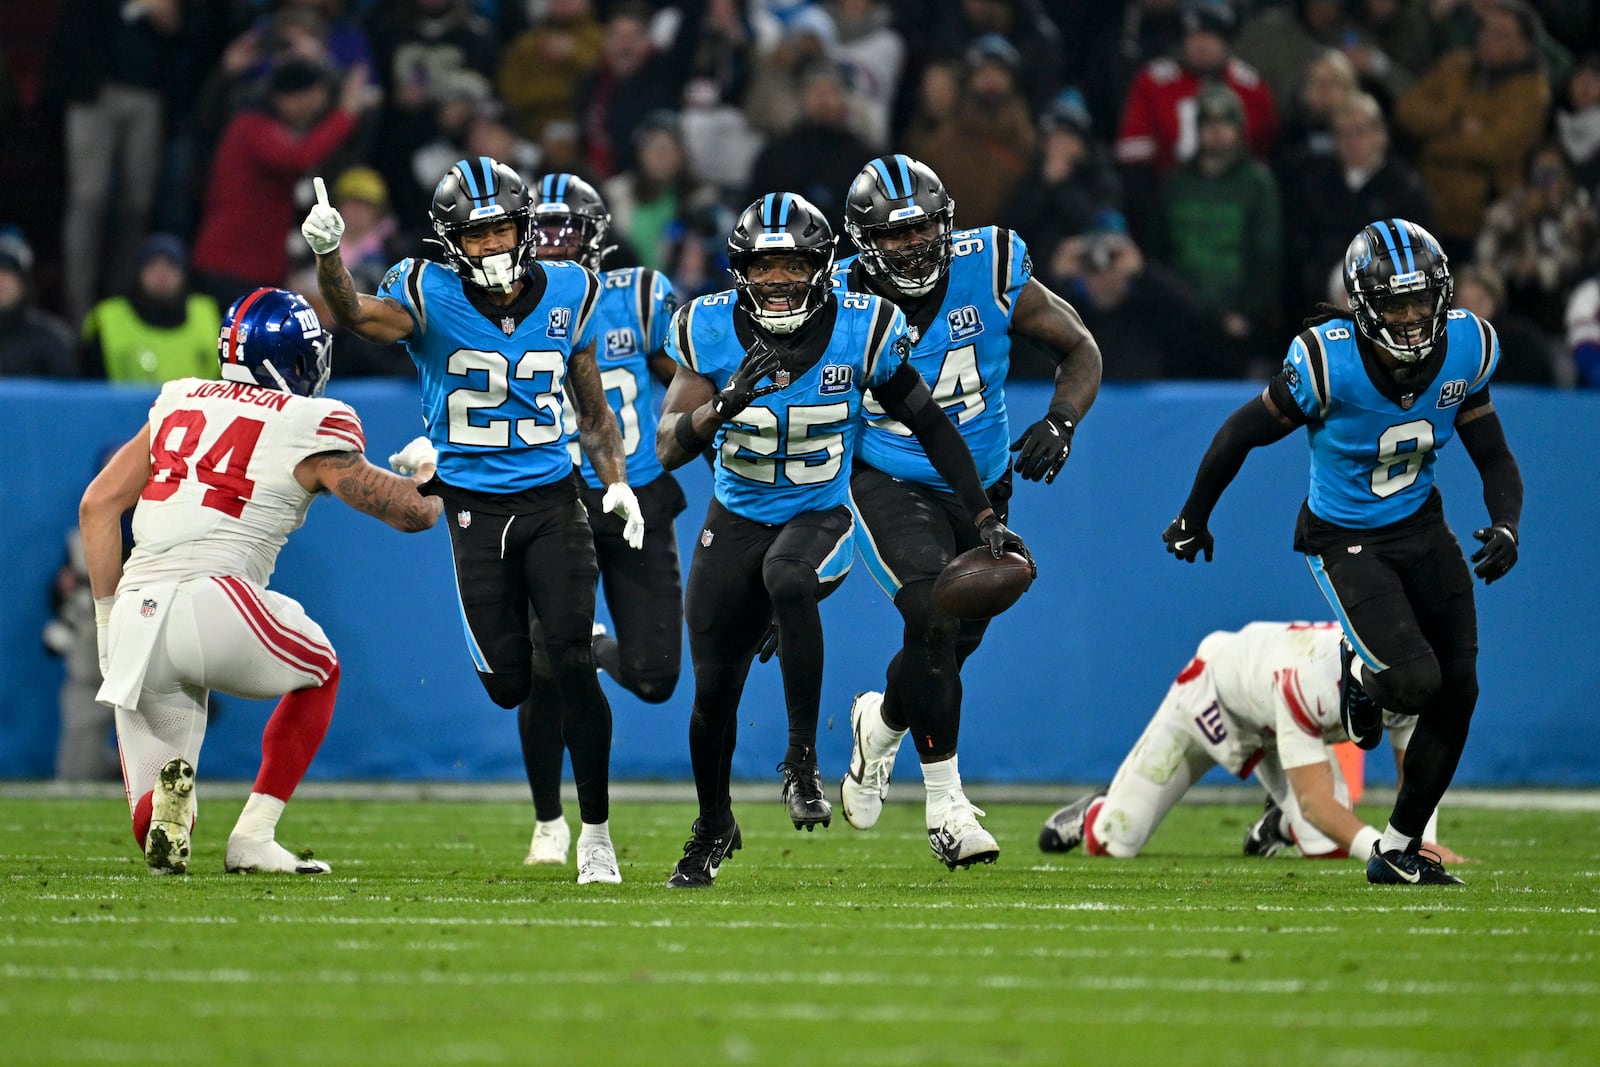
{"x": 774, "y": 373}
{"x": 218, "y": 479}
{"x": 964, "y": 294}
{"x": 1380, "y": 391}
{"x": 502, "y": 344}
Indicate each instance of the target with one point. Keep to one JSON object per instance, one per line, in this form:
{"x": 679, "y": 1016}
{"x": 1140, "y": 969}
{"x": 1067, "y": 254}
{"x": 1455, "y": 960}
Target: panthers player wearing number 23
{"x": 1380, "y": 390}
{"x": 965, "y": 294}
{"x": 502, "y": 343}
{"x": 773, "y": 374}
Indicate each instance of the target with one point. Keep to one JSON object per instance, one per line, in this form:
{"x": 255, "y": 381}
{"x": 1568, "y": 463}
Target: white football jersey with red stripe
{"x": 222, "y": 496}
{"x": 1280, "y": 679}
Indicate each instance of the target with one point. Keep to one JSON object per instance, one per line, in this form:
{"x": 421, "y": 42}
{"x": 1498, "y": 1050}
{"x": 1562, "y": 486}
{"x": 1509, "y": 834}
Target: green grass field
{"x": 431, "y": 944}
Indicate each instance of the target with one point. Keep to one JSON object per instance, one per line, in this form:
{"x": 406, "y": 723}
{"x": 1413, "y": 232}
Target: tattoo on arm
{"x": 338, "y": 290}
{"x": 598, "y": 432}
{"x": 386, "y": 497}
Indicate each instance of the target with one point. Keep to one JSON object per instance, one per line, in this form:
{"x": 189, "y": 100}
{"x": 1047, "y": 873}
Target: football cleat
{"x": 703, "y": 855}
{"x": 866, "y": 785}
{"x": 251, "y": 856}
{"x": 597, "y": 862}
{"x": 1063, "y": 830}
{"x": 1360, "y": 714}
{"x": 959, "y": 840}
{"x": 166, "y": 844}
{"x": 802, "y": 792}
{"x": 550, "y": 843}
{"x": 1410, "y": 866}
{"x": 1268, "y": 835}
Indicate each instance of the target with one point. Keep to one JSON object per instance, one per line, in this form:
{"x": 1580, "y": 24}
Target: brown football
{"x": 975, "y": 585}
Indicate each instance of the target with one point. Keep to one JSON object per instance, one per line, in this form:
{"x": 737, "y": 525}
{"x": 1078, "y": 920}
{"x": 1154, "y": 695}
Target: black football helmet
{"x": 273, "y": 338}
{"x": 570, "y": 220}
{"x": 1400, "y": 289}
{"x": 474, "y": 192}
{"x": 782, "y": 223}
{"x": 895, "y": 193}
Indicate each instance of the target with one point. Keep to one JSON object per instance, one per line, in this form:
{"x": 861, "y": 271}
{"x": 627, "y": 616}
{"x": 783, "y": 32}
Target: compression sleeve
{"x": 1485, "y": 441}
{"x": 906, "y": 397}
{"x": 1254, "y": 424}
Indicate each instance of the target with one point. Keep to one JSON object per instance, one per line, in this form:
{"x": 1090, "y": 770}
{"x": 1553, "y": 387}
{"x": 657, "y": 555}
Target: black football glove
{"x": 1498, "y": 554}
{"x": 1187, "y": 540}
{"x": 1044, "y": 448}
{"x": 1002, "y": 540}
{"x": 769, "y": 641}
{"x": 743, "y": 387}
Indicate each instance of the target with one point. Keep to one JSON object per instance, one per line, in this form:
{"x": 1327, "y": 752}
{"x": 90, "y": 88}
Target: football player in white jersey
{"x": 1261, "y": 700}
{"x": 219, "y": 477}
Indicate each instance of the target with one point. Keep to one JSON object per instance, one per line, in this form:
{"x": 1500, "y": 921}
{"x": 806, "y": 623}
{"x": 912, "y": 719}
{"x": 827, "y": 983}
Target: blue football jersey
{"x": 964, "y": 354}
{"x": 789, "y": 451}
{"x": 492, "y": 391}
{"x": 636, "y": 306}
{"x": 1372, "y": 458}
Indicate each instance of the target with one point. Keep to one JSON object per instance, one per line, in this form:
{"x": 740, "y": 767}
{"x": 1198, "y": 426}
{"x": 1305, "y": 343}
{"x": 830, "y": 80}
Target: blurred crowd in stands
{"x": 1186, "y": 172}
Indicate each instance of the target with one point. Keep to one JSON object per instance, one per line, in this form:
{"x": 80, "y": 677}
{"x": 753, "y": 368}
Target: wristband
{"x": 1361, "y": 847}
{"x": 684, "y": 433}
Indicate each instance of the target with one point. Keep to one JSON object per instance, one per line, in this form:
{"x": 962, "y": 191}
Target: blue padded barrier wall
{"x": 1061, "y": 688}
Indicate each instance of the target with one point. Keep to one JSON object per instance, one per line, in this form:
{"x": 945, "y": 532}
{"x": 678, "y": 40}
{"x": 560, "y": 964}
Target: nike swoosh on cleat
{"x": 1411, "y": 876}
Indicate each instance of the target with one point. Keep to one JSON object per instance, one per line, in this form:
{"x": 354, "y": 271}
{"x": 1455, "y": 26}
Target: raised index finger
{"x": 322, "y": 190}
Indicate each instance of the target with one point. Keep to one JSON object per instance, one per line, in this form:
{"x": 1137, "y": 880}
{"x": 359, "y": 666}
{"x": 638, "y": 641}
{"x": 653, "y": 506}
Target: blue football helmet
{"x": 1400, "y": 289}
{"x": 570, "y": 220}
{"x": 782, "y": 224}
{"x": 273, "y": 338}
{"x": 473, "y": 193}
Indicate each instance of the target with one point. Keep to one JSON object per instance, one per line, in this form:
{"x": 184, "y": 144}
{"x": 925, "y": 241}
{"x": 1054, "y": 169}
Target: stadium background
{"x": 1060, "y": 689}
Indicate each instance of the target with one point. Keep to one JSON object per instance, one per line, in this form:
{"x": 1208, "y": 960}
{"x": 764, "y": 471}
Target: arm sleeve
{"x": 1485, "y": 441}
{"x": 1250, "y": 426}
{"x": 906, "y": 397}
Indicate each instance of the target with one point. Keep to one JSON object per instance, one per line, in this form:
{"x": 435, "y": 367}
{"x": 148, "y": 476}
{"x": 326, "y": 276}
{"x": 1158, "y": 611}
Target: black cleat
{"x": 802, "y": 792}
{"x": 1268, "y": 835}
{"x": 1412, "y": 866}
{"x": 1063, "y": 830}
{"x": 703, "y": 854}
{"x": 1360, "y": 714}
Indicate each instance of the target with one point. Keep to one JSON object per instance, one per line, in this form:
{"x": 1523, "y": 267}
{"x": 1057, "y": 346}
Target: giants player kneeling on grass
{"x": 219, "y": 477}
{"x": 1262, "y": 700}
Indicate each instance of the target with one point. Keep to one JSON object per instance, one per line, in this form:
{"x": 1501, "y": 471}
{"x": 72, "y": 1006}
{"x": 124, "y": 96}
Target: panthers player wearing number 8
{"x": 965, "y": 294}
{"x": 218, "y": 479}
{"x": 1380, "y": 390}
{"x": 503, "y": 343}
{"x": 774, "y": 374}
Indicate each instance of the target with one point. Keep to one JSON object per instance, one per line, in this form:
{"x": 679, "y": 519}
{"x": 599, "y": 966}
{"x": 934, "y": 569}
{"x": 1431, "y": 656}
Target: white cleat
{"x": 866, "y": 785}
{"x": 166, "y": 845}
{"x": 251, "y": 856}
{"x": 597, "y": 862}
{"x": 549, "y": 845}
{"x": 958, "y": 839}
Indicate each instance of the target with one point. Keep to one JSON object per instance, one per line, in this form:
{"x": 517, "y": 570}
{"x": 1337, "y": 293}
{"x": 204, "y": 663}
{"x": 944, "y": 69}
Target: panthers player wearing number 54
{"x": 774, "y": 373}
{"x": 502, "y": 344}
{"x": 1380, "y": 391}
{"x": 218, "y": 479}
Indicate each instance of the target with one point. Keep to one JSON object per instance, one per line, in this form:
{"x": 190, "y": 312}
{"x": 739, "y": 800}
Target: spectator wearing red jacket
{"x": 250, "y": 206}
{"x": 1158, "y": 129}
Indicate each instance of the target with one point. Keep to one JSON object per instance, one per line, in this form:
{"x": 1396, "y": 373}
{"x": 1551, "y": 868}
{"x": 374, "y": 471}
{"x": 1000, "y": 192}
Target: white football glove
{"x": 414, "y": 456}
{"x": 324, "y": 226}
{"x": 102, "y": 630}
{"x": 620, "y": 501}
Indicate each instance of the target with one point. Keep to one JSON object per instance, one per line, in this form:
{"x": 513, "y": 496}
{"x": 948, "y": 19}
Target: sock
{"x": 259, "y": 819}
{"x": 293, "y": 735}
{"x": 943, "y": 783}
{"x": 1092, "y": 845}
{"x": 141, "y": 818}
{"x": 1394, "y": 840}
{"x": 594, "y": 833}
{"x": 800, "y": 754}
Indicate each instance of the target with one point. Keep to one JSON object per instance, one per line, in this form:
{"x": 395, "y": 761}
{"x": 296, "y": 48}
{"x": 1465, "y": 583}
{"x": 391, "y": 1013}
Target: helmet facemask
{"x": 921, "y": 255}
{"x": 782, "y": 307}
{"x": 560, "y": 233}
{"x": 497, "y": 272}
{"x": 1407, "y": 316}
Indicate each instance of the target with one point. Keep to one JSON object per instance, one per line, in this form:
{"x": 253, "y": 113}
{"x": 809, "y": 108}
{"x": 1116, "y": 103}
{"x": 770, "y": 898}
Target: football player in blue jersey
{"x": 965, "y": 295}
{"x": 1381, "y": 390}
{"x": 774, "y": 374}
{"x": 503, "y": 343}
{"x": 643, "y": 588}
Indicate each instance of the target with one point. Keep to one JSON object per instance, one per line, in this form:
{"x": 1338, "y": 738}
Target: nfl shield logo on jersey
{"x": 463, "y": 519}
{"x": 508, "y": 325}
{"x": 147, "y": 608}
{"x": 781, "y": 379}
{"x": 705, "y": 538}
